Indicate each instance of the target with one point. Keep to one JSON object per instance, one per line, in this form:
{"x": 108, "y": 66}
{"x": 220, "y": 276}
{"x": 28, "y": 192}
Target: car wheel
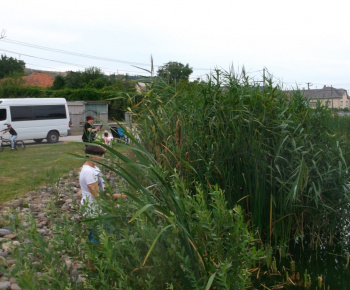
{"x": 52, "y": 137}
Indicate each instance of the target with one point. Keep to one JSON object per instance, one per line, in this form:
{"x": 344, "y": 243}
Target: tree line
{"x": 88, "y": 85}
{"x": 93, "y": 77}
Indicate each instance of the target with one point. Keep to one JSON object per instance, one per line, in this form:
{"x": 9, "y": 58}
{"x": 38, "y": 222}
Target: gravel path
{"x": 36, "y": 203}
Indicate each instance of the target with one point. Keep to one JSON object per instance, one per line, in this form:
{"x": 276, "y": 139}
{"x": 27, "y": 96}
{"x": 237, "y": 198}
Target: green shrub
{"x": 162, "y": 237}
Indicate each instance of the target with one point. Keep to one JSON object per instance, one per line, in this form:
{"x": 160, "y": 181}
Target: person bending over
{"x": 91, "y": 180}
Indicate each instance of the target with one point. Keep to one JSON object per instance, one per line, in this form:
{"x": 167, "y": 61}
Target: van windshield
{"x": 3, "y": 114}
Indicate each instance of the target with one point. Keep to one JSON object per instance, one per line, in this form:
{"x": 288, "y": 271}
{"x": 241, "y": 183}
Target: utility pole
{"x": 263, "y": 78}
{"x": 332, "y": 95}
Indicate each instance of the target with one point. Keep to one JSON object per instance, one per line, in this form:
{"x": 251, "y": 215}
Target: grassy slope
{"x": 22, "y": 171}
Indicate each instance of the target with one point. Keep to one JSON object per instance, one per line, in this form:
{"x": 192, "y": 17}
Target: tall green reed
{"x": 265, "y": 148}
{"x": 206, "y": 240}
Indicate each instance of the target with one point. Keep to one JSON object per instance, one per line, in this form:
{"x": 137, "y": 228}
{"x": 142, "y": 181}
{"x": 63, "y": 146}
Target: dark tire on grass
{"x": 1, "y": 148}
{"x": 20, "y": 145}
{"x": 52, "y": 137}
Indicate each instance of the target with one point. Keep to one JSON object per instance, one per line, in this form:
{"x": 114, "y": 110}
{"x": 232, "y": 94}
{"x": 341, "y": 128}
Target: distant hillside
{"x": 29, "y": 71}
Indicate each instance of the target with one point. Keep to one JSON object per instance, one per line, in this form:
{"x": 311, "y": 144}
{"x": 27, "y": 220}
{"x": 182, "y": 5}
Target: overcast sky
{"x": 297, "y": 41}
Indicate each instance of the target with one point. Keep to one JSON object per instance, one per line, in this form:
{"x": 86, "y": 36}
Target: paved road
{"x": 71, "y": 138}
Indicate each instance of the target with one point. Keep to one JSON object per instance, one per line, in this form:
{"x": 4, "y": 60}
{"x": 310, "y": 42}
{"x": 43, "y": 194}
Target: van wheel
{"x": 52, "y": 137}
{"x": 38, "y": 140}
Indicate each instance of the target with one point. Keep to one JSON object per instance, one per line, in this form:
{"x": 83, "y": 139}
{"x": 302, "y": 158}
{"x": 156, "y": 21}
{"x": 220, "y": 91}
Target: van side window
{"x": 21, "y": 113}
{"x": 44, "y": 112}
{"x": 3, "y": 115}
{"x": 49, "y": 112}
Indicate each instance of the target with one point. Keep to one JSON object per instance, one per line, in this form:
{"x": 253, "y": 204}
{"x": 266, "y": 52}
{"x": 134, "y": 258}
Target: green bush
{"x": 162, "y": 237}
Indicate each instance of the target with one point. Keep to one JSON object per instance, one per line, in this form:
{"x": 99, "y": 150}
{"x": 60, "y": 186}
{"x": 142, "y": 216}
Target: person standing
{"x": 91, "y": 184}
{"x": 13, "y": 135}
{"x": 89, "y": 131}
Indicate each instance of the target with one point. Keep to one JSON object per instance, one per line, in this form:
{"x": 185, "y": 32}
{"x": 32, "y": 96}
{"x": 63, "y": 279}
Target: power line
{"x": 72, "y": 64}
{"x": 79, "y": 65}
{"x": 80, "y": 54}
{"x": 71, "y": 53}
{"x": 10, "y": 41}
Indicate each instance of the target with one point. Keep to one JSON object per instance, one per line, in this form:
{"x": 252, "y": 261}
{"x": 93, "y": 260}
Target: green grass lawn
{"x": 37, "y": 165}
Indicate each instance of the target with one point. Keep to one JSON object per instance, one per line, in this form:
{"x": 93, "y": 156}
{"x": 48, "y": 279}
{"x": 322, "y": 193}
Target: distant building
{"x": 38, "y": 79}
{"x": 328, "y": 96}
{"x": 79, "y": 110}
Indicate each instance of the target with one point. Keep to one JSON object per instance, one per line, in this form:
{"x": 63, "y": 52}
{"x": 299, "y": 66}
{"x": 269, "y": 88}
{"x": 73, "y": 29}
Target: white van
{"x": 36, "y": 118}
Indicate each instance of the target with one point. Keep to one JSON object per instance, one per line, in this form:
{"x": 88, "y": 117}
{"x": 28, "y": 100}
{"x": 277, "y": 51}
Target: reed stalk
{"x": 282, "y": 160}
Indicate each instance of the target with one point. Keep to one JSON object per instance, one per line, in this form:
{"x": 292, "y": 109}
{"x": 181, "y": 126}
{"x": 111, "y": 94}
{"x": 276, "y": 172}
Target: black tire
{"x": 19, "y": 145}
{"x": 38, "y": 140}
{"x": 52, "y": 137}
{"x": 2, "y": 147}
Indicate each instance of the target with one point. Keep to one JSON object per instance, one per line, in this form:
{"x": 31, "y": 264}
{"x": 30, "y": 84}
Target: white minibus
{"x": 36, "y": 118}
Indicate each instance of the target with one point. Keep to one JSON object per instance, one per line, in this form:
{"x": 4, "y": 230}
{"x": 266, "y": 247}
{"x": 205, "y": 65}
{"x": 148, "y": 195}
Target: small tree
{"x": 91, "y": 74}
{"x": 175, "y": 71}
{"x": 10, "y": 66}
{"x": 74, "y": 80}
{"x": 59, "y": 83}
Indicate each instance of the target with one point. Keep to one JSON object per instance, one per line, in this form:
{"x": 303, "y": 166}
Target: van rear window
{"x": 32, "y": 113}
{"x": 3, "y": 115}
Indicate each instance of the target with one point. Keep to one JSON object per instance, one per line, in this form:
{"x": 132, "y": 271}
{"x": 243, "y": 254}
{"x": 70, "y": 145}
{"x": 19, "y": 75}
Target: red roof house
{"x": 38, "y": 80}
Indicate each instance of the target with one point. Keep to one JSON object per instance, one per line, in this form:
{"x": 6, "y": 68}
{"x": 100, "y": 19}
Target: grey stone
{"x": 10, "y": 236}
{"x": 13, "y": 280}
{"x": 2, "y": 260}
{"x": 15, "y": 287}
{"x": 4, "y": 232}
{"x": 65, "y": 207}
{"x": 68, "y": 262}
{"x": 27, "y": 241}
{"x": 5, "y": 285}
{"x": 80, "y": 279}
{"x": 42, "y": 215}
{"x": 39, "y": 225}
{"x": 9, "y": 246}
{"x": 11, "y": 261}
{"x": 42, "y": 231}
{"x": 75, "y": 272}
{"x": 4, "y": 254}
{"x": 17, "y": 203}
